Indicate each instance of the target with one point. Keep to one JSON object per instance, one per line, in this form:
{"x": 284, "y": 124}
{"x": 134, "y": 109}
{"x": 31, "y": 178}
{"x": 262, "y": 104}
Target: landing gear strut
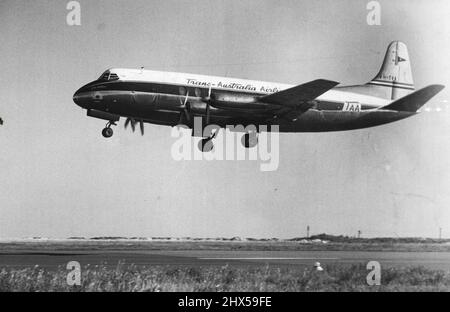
{"x": 108, "y": 132}
{"x": 206, "y": 144}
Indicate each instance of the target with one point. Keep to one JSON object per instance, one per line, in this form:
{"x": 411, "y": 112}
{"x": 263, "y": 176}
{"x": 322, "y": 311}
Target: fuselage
{"x": 160, "y": 98}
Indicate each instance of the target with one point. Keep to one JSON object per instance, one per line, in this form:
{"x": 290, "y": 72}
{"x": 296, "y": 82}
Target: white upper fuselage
{"x": 236, "y": 84}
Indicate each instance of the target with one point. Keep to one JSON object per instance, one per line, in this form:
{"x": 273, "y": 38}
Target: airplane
{"x": 174, "y": 99}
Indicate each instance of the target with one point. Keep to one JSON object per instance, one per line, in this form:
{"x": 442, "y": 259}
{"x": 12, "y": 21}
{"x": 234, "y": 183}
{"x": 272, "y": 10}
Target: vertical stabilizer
{"x": 394, "y": 79}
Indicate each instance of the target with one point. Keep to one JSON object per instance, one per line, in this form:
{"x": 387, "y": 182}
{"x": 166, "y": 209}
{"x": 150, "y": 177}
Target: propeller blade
{"x": 207, "y": 101}
{"x": 186, "y": 99}
{"x": 141, "y": 123}
{"x": 183, "y": 103}
{"x": 187, "y": 115}
{"x": 185, "y": 111}
{"x": 132, "y": 122}
{"x": 207, "y": 113}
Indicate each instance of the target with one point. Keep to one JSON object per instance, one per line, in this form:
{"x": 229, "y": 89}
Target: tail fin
{"x": 394, "y": 79}
{"x": 414, "y": 101}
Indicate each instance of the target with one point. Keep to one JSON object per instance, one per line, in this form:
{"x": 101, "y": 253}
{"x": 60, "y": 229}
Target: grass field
{"x": 129, "y": 278}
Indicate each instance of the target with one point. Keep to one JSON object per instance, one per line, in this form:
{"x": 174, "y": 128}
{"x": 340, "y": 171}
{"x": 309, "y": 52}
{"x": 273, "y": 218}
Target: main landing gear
{"x": 248, "y": 140}
{"x": 206, "y": 144}
{"x": 108, "y": 132}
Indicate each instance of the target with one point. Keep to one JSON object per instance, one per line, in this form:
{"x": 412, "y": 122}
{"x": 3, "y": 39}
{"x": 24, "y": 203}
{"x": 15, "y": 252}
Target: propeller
{"x": 186, "y": 114}
{"x": 132, "y": 122}
{"x": 186, "y": 109}
{"x": 207, "y": 100}
{"x": 141, "y": 125}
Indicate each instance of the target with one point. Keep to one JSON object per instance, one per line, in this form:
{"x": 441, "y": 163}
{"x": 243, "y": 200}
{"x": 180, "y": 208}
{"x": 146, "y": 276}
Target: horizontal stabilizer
{"x": 412, "y": 102}
{"x": 304, "y": 92}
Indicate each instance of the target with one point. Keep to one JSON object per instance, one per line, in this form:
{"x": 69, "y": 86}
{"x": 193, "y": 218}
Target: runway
{"x": 53, "y": 259}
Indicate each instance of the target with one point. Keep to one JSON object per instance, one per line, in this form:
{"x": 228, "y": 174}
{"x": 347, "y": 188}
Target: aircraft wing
{"x": 300, "y": 94}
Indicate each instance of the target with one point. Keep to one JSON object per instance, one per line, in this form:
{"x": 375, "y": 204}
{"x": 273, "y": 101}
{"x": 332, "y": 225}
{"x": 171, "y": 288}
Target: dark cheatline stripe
{"x": 394, "y": 82}
{"x": 390, "y": 86}
{"x": 166, "y": 88}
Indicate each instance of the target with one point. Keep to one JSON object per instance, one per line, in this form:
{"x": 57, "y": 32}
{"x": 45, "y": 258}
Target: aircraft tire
{"x": 206, "y": 145}
{"x": 249, "y": 140}
{"x": 107, "y": 132}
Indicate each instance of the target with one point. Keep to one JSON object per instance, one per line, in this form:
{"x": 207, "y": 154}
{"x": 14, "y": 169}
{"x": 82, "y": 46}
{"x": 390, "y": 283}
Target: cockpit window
{"x": 108, "y": 76}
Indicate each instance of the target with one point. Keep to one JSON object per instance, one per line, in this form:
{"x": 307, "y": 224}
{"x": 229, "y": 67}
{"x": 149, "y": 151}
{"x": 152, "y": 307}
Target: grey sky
{"x": 60, "y": 177}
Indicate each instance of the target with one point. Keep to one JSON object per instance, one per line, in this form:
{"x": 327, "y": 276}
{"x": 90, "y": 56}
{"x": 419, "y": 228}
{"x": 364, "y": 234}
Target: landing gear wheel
{"x": 107, "y": 132}
{"x": 206, "y": 145}
{"x": 249, "y": 140}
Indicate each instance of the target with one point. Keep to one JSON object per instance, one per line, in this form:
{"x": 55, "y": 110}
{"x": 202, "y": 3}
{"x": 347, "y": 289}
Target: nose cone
{"x": 80, "y": 97}
{"x": 76, "y": 98}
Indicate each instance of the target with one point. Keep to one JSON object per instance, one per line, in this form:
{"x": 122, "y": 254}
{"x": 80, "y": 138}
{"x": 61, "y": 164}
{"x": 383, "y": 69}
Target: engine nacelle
{"x": 238, "y": 101}
{"x": 199, "y": 108}
{"x": 232, "y": 98}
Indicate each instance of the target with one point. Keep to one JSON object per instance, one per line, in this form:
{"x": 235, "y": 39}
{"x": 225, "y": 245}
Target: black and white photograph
{"x": 198, "y": 147}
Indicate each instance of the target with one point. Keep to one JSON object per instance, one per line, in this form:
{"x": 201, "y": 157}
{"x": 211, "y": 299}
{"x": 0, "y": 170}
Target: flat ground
{"x": 51, "y": 254}
{"x": 117, "y": 265}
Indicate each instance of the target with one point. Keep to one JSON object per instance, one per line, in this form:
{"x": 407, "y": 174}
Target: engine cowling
{"x": 238, "y": 98}
{"x": 238, "y": 101}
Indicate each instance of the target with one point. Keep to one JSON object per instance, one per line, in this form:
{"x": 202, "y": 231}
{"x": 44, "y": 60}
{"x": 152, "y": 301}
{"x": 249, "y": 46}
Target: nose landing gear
{"x": 108, "y": 132}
